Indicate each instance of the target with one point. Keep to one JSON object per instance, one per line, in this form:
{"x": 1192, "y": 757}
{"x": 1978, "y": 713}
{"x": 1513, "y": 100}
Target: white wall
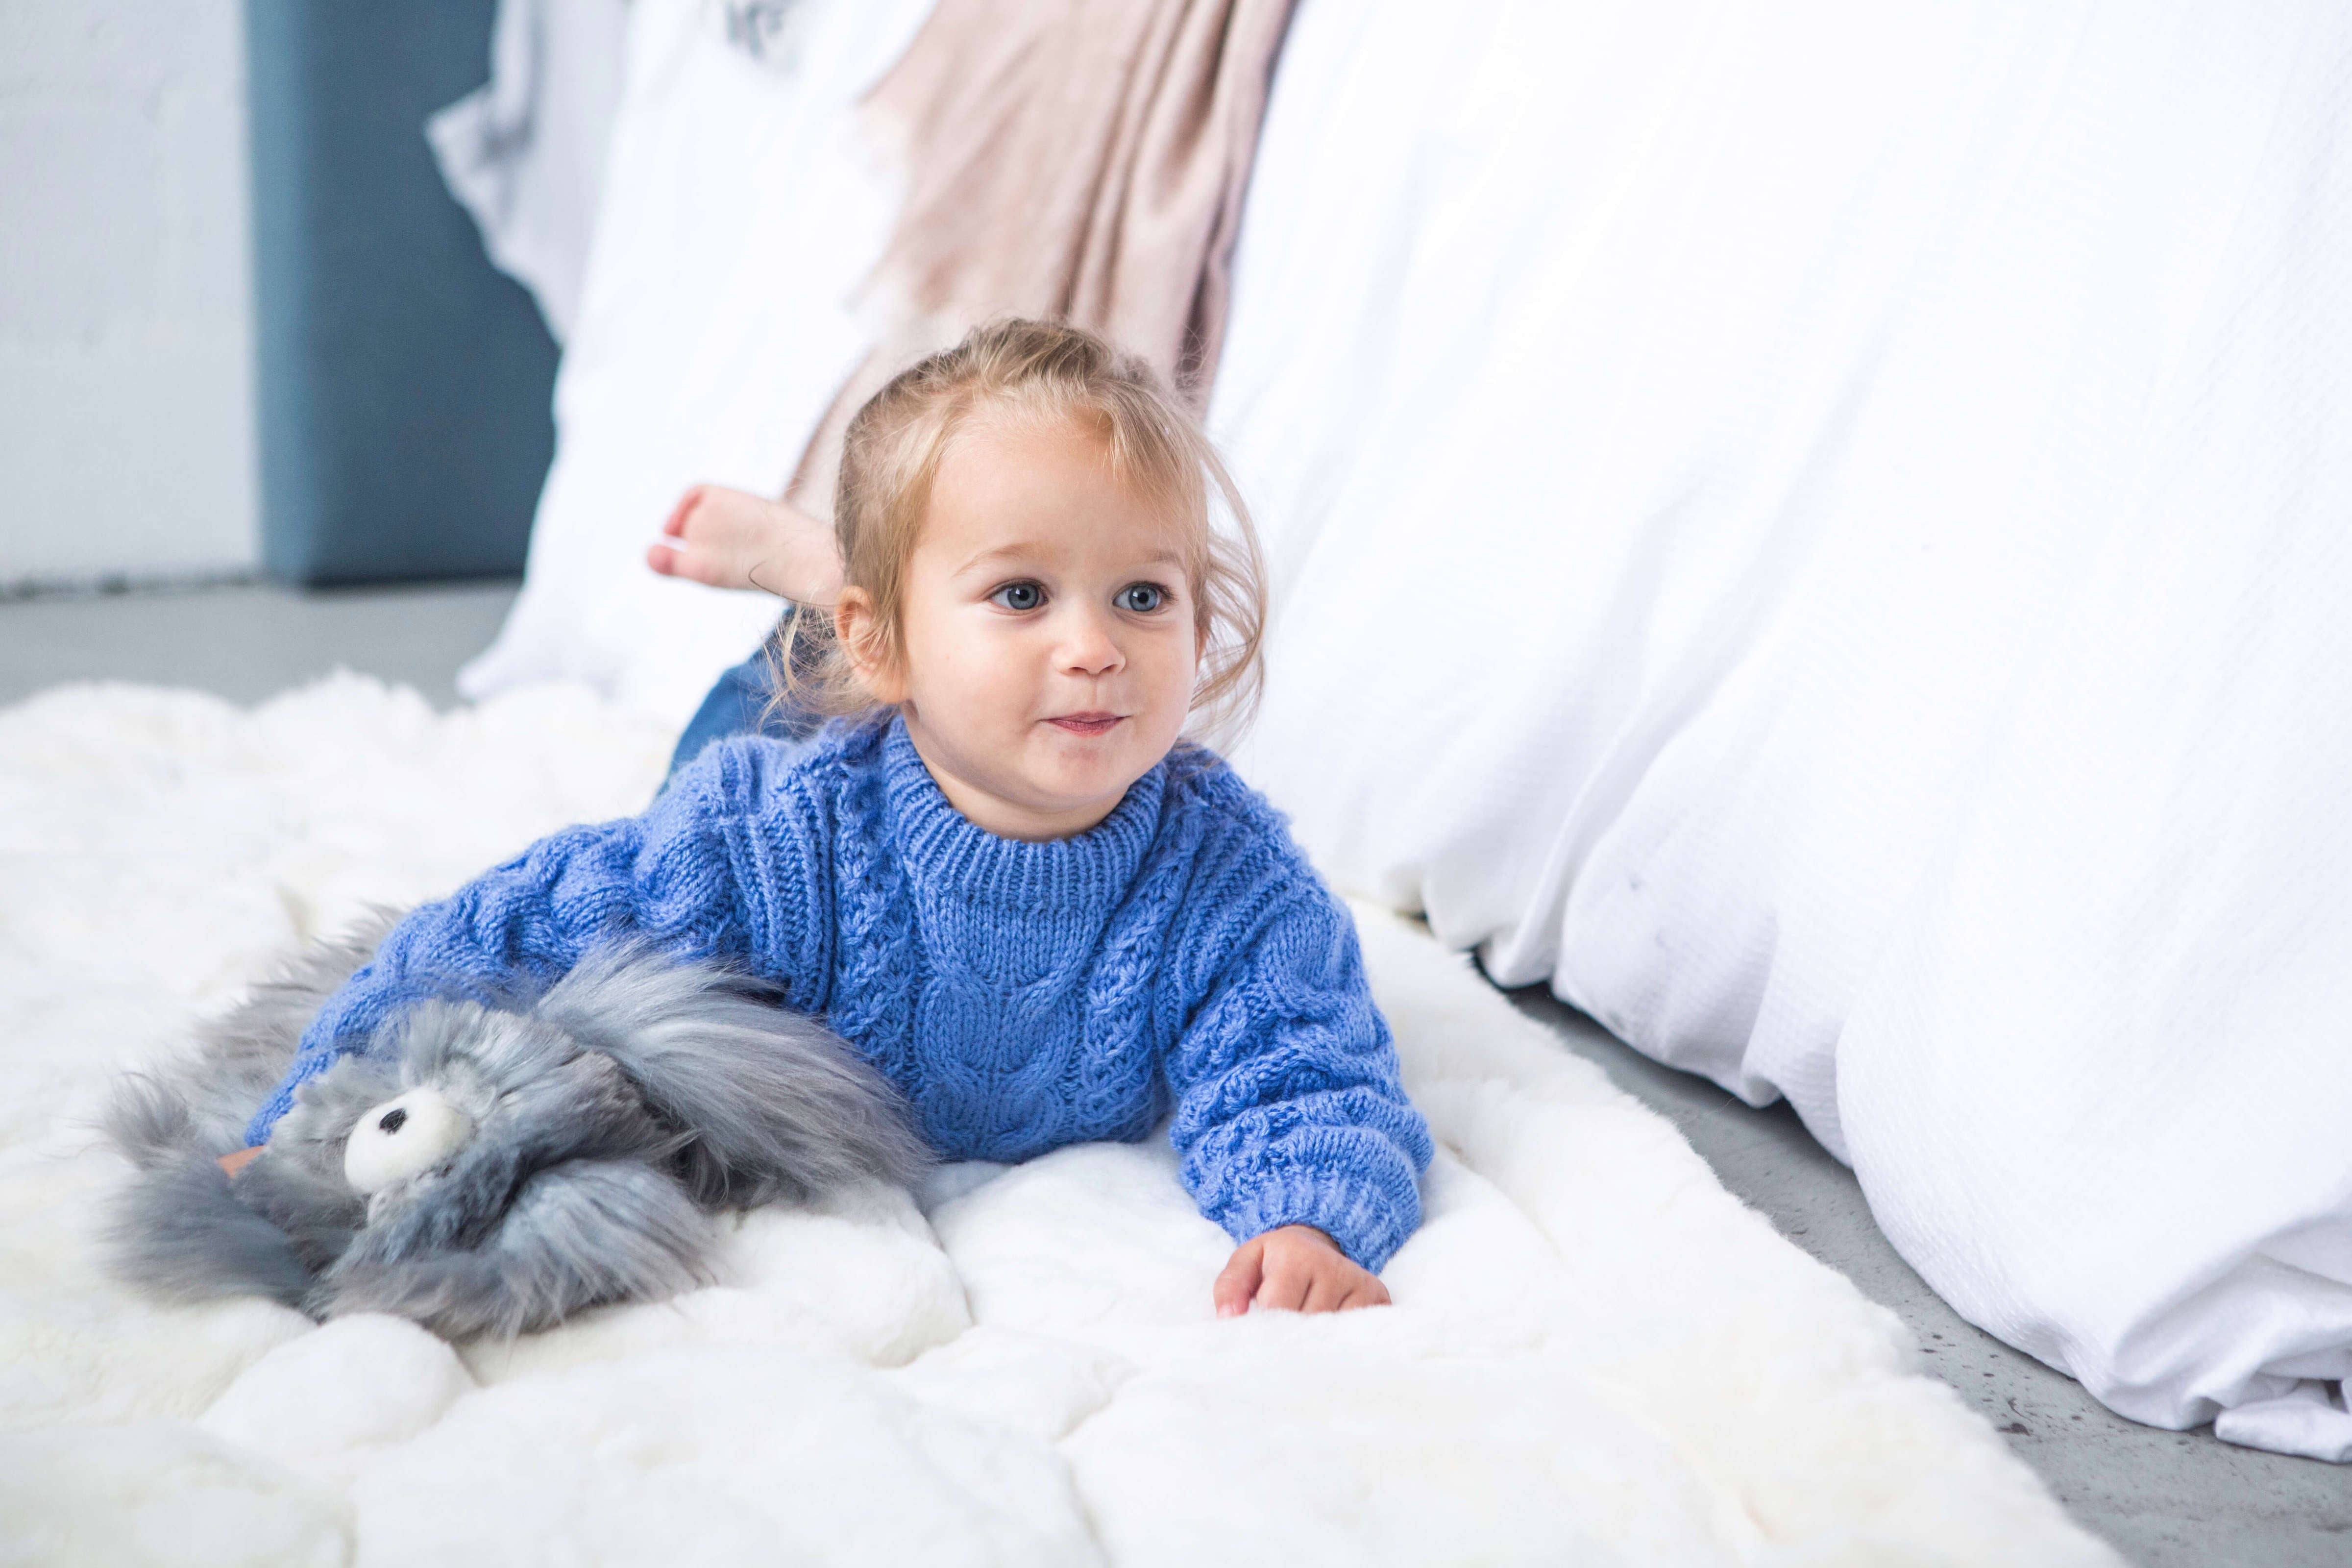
{"x": 126, "y": 378}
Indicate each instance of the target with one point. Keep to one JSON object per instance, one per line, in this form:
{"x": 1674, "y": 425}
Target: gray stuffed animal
{"x": 492, "y": 1169}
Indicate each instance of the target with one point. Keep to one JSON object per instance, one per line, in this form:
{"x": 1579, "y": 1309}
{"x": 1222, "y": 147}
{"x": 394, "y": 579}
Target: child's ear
{"x": 867, "y": 642}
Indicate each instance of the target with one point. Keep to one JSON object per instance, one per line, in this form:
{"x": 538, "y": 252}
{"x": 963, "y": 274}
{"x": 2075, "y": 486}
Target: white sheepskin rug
{"x": 1596, "y": 1354}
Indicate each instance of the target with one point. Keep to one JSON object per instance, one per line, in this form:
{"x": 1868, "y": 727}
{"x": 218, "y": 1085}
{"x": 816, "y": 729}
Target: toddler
{"x": 999, "y": 872}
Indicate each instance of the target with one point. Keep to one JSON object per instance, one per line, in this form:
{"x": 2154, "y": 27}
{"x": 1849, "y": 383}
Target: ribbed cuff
{"x": 1366, "y": 1218}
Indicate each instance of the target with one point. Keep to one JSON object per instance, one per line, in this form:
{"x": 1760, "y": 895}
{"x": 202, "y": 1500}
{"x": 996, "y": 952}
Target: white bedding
{"x": 1597, "y": 1355}
{"x": 1821, "y": 529}
{"x": 524, "y": 153}
{"x": 715, "y": 326}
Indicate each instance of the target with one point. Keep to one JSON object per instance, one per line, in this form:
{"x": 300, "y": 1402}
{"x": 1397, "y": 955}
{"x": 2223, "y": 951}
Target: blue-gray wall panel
{"x": 405, "y": 384}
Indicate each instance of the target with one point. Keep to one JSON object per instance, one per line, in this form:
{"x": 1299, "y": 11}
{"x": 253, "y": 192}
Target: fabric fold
{"x": 1077, "y": 161}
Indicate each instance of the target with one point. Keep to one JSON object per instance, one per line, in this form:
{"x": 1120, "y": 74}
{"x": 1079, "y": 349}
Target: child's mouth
{"x": 1086, "y": 724}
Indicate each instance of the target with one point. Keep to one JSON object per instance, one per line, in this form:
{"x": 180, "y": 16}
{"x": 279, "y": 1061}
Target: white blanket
{"x": 1597, "y": 1355}
{"x": 524, "y": 153}
{"x": 1821, "y": 529}
{"x": 715, "y": 326}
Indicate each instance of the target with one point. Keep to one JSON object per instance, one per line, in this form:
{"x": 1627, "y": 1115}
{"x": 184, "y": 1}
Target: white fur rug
{"x": 1597, "y": 1355}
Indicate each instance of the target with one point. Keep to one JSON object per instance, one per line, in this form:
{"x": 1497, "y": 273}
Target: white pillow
{"x": 739, "y": 215}
{"x": 1819, "y": 530}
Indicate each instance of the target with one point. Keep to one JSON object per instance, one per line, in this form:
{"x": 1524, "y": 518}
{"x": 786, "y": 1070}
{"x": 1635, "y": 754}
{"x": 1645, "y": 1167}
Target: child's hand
{"x": 733, "y": 539}
{"x": 1299, "y": 1268}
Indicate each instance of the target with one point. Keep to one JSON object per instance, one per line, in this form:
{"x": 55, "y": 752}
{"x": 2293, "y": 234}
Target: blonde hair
{"x": 890, "y": 457}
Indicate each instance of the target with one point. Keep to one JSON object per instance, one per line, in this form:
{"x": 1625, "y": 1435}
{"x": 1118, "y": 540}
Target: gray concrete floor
{"x": 248, "y": 642}
{"x": 2166, "y": 1499}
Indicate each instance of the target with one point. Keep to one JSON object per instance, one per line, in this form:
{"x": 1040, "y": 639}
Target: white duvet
{"x": 714, "y": 325}
{"x": 1597, "y": 1354}
{"x": 1818, "y": 528}
{"x": 1824, "y": 531}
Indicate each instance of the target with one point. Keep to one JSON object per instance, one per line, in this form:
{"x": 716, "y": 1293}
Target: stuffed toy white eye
{"x": 409, "y": 1133}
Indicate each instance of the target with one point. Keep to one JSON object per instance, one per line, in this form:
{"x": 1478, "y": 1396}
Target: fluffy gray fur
{"x": 776, "y": 1104}
{"x": 609, "y": 1113}
{"x": 202, "y": 1100}
{"x": 577, "y": 1234}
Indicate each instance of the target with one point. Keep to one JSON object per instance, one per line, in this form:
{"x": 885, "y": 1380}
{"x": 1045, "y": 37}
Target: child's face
{"x": 1048, "y": 634}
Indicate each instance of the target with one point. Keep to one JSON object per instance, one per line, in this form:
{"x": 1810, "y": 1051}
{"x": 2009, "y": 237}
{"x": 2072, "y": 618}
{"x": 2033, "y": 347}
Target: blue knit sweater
{"x": 1180, "y": 954}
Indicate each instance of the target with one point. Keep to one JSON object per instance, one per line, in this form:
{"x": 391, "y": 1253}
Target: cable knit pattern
{"x": 1180, "y": 956}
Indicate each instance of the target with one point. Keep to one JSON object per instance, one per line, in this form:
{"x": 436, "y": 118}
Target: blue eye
{"x": 1019, "y": 597}
{"x": 1143, "y": 597}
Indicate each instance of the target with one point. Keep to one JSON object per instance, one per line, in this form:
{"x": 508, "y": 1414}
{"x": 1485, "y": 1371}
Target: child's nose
{"x": 1088, "y": 647}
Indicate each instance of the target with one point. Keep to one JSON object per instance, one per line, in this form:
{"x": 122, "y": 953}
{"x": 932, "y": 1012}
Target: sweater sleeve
{"x": 667, "y": 877}
{"x": 1289, "y": 1106}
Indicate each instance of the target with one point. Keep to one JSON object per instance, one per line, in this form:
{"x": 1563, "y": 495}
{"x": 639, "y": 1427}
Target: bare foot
{"x": 733, "y": 539}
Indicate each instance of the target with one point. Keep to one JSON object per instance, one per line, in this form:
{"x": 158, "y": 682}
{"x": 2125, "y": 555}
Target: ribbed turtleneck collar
{"x": 1084, "y": 873}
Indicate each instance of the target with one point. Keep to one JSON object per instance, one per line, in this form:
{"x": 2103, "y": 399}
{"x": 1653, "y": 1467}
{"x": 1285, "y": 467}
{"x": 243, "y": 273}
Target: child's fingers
{"x": 1327, "y": 1291}
{"x": 675, "y": 524}
{"x": 1289, "y": 1277}
{"x": 663, "y": 559}
{"x": 1285, "y": 1288}
{"x": 1239, "y": 1282}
